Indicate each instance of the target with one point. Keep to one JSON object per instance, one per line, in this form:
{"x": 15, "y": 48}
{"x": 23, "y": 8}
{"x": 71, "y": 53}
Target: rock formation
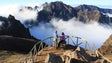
{"x": 53, "y": 58}
{"x": 12, "y": 27}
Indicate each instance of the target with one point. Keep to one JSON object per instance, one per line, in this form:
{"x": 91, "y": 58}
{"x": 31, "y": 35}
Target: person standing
{"x": 56, "y": 40}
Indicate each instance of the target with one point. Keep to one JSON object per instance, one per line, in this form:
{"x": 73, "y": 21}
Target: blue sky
{"x": 107, "y": 3}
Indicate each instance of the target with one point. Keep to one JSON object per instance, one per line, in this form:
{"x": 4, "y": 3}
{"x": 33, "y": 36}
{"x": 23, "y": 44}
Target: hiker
{"x": 56, "y": 39}
{"x": 62, "y": 40}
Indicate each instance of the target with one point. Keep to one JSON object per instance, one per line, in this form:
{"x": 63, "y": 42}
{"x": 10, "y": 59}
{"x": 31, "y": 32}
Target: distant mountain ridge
{"x": 83, "y": 13}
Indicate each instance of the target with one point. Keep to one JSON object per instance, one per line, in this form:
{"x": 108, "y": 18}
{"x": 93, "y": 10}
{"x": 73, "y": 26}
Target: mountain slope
{"x": 16, "y": 44}
{"x": 106, "y": 48}
{"x": 11, "y": 26}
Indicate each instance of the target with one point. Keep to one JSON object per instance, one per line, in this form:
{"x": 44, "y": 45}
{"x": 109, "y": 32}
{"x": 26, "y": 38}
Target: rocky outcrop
{"x": 106, "y": 48}
{"x": 86, "y": 16}
{"x": 78, "y": 55}
{"x": 53, "y": 58}
{"x": 11, "y": 26}
{"x": 56, "y": 10}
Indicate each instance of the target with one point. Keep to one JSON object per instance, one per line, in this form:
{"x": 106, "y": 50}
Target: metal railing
{"x": 30, "y": 58}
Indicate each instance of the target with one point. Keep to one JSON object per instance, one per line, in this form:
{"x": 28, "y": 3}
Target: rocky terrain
{"x": 106, "y": 48}
{"x": 78, "y": 55}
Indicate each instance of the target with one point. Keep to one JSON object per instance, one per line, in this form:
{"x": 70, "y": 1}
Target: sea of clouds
{"x": 93, "y": 33}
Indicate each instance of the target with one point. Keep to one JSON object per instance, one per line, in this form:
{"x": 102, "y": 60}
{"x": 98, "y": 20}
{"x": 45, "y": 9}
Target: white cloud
{"x": 5, "y": 10}
{"x": 92, "y": 32}
{"x": 110, "y": 15}
{"x": 26, "y": 14}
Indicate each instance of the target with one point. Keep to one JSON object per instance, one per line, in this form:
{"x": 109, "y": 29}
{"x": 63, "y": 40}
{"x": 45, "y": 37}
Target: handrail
{"x": 34, "y": 51}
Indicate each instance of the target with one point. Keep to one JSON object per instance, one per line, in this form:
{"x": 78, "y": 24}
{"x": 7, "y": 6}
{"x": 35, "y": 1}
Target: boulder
{"x": 53, "y": 58}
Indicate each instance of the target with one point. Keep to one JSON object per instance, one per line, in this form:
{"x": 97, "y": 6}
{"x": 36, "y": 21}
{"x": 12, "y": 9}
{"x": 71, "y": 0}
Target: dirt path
{"x": 41, "y": 57}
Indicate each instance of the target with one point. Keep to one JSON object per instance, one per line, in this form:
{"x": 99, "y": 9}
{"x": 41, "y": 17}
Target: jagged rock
{"x": 88, "y": 16}
{"x": 68, "y": 56}
{"x": 11, "y": 26}
{"x": 53, "y": 58}
{"x": 79, "y": 55}
{"x": 56, "y": 10}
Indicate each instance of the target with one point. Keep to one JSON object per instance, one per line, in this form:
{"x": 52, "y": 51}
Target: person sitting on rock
{"x": 62, "y": 42}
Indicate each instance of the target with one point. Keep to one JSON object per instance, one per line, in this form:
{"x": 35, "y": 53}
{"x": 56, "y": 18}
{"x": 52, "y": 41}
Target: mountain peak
{"x": 13, "y": 27}
{"x": 56, "y": 10}
{"x": 89, "y": 7}
{"x": 84, "y": 13}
